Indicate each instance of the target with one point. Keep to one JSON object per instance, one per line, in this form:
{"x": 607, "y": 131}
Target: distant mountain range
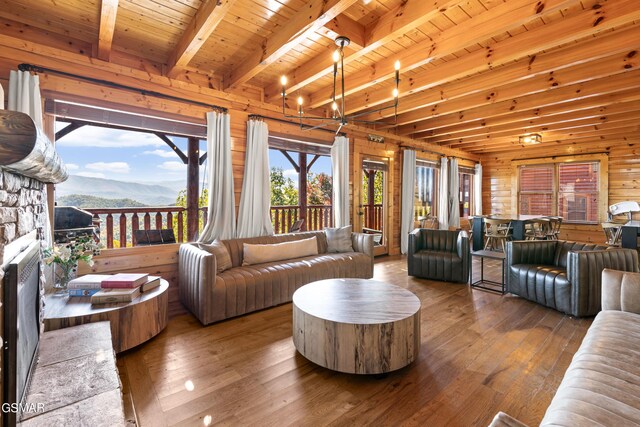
{"x": 83, "y": 201}
{"x": 147, "y": 194}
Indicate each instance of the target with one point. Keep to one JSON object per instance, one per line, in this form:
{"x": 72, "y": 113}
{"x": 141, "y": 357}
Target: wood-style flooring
{"x": 481, "y": 353}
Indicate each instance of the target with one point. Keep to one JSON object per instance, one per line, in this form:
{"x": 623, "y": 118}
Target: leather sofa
{"x": 439, "y": 255}
{"x": 563, "y": 275}
{"x": 602, "y": 384}
{"x": 212, "y": 297}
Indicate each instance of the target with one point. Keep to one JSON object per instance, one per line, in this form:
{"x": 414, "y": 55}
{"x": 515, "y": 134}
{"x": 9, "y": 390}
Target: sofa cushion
{"x": 249, "y": 288}
{"x": 544, "y": 284}
{"x": 339, "y": 239}
{"x": 602, "y": 384}
{"x": 219, "y": 250}
{"x": 259, "y": 254}
{"x": 563, "y": 248}
{"x": 235, "y": 246}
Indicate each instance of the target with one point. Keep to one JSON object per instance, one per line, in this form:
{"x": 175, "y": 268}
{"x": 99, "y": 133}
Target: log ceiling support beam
{"x": 202, "y": 25}
{"x": 173, "y": 146}
{"x": 108, "y": 13}
{"x": 392, "y": 25}
{"x": 67, "y": 130}
{"x": 311, "y": 17}
{"x": 342, "y": 25}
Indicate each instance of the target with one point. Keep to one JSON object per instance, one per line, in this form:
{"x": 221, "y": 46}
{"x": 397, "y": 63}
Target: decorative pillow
{"x": 258, "y": 254}
{"x": 339, "y": 239}
{"x": 219, "y": 250}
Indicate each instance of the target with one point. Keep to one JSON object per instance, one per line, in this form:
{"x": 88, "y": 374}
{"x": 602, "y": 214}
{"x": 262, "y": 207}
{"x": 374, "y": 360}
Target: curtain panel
{"x": 443, "y": 195}
{"x": 221, "y": 219}
{"x": 254, "y": 217}
{"x": 477, "y": 190}
{"x": 454, "y": 193}
{"x": 408, "y": 194}
{"x": 340, "y": 169}
{"x": 1, "y": 98}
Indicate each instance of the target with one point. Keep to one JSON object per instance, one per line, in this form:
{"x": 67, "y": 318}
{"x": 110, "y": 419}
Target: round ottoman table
{"x": 356, "y": 326}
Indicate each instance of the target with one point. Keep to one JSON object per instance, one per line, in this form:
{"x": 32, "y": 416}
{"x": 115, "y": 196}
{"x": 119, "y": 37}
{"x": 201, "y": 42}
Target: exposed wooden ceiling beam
{"x": 558, "y": 147}
{"x": 342, "y": 25}
{"x": 543, "y": 85}
{"x": 312, "y": 16}
{"x": 392, "y": 25}
{"x": 496, "y": 21}
{"x": 202, "y": 25}
{"x": 590, "y": 49}
{"x": 108, "y": 13}
{"x": 596, "y": 114}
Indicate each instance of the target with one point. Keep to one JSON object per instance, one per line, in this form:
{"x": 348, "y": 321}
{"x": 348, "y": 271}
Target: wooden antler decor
{"x": 24, "y": 149}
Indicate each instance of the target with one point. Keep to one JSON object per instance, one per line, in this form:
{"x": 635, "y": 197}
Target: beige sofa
{"x": 602, "y": 384}
{"x": 242, "y": 289}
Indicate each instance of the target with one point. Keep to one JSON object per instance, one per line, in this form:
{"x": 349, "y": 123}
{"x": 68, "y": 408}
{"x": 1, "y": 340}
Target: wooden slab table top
{"x": 356, "y": 326}
{"x": 131, "y": 323}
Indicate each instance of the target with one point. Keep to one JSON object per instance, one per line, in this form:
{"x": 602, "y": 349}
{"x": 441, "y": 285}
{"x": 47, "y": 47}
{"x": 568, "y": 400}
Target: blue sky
{"x": 139, "y": 157}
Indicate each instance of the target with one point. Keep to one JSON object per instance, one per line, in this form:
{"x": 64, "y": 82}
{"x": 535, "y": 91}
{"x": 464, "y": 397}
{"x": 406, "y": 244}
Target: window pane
{"x": 536, "y": 190}
{"x": 578, "y": 191}
{"x": 466, "y": 191}
{"x": 425, "y": 191}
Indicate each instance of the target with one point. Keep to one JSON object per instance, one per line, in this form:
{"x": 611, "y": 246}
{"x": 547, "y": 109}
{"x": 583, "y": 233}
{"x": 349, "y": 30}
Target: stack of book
{"x": 106, "y": 288}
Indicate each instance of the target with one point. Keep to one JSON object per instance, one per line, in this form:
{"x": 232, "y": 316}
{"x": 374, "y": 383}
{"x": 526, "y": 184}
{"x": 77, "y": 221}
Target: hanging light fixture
{"x": 338, "y": 108}
{"x": 531, "y": 139}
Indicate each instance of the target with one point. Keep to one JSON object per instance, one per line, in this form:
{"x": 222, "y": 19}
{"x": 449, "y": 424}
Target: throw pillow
{"x": 339, "y": 239}
{"x": 219, "y": 250}
{"x": 258, "y": 254}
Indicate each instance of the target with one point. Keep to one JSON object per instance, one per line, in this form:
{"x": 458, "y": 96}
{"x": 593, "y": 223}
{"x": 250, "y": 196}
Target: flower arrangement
{"x": 66, "y": 257}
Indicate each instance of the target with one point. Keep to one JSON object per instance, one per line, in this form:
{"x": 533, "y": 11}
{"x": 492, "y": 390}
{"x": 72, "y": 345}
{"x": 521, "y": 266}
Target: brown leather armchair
{"x": 565, "y": 276}
{"x": 439, "y": 255}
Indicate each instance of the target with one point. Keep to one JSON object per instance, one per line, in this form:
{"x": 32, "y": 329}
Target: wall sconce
{"x": 532, "y": 139}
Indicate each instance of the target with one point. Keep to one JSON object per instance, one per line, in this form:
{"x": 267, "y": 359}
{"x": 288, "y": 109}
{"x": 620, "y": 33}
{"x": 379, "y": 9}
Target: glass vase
{"x": 64, "y": 274}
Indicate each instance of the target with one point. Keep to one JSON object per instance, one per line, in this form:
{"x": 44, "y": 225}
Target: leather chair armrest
{"x": 413, "y": 248}
{"x": 362, "y": 242}
{"x": 620, "y": 291}
{"x": 503, "y": 420}
{"x": 463, "y": 250}
{"x": 196, "y": 277}
{"x": 584, "y": 271}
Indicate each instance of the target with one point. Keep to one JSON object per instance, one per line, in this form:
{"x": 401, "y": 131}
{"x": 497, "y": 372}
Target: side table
{"x": 131, "y": 323}
{"x": 487, "y": 285}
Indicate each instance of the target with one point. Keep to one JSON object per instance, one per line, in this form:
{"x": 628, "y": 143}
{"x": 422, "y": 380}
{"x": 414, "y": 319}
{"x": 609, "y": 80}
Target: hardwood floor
{"x": 481, "y": 353}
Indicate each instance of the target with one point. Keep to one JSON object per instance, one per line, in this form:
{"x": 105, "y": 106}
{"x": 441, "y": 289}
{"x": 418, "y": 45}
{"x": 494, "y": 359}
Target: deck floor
{"x": 481, "y": 353}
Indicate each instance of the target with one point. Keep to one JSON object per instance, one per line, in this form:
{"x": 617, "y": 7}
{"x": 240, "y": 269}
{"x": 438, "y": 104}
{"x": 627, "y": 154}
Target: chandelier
{"x": 339, "y": 115}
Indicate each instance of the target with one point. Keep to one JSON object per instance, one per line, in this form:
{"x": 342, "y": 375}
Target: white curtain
{"x": 408, "y": 195}
{"x": 340, "y": 167}
{"x": 1, "y": 98}
{"x": 454, "y": 194}
{"x": 254, "y": 217}
{"x": 24, "y": 95}
{"x": 477, "y": 190}
{"x": 443, "y": 195}
{"x": 221, "y": 220}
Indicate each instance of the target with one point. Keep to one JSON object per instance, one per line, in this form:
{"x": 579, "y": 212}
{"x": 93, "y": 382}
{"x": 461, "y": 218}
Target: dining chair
{"x": 497, "y": 230}
{"x": 612, "y": 233}
{"x": 554, "y": 229}
{"x": 430, "y": 222}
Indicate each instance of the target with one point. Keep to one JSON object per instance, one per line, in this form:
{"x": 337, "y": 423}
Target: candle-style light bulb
{"x": 336, "y": 55}
{"x": 397, "y": 65}
{"x": 283, "y": 80}
{"x": 395, "y": 92}
{"x": 334, "y": 106}
{"x": 300, "y": 100}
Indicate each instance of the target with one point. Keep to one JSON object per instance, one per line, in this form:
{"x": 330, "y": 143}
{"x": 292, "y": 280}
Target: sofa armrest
{"x": 584, "y": 271}
{"x": 463, "y": 250}
{"x": 414, "y": 242}
{"x": 362, "y": 242}
{"x": 620, "y": 291}
{"x": 503, "y": 420}
{"x": 196, "y": 277}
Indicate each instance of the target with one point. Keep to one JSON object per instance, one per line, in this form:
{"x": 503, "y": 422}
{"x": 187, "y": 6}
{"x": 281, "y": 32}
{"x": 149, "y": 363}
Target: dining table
{"x": 517, "y": 226}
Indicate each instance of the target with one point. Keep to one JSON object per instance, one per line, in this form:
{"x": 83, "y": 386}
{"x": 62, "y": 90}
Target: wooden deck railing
{"x": 373, "y": 218}
{"x": 318, "y": 217}
{"x": 129, "y": 220}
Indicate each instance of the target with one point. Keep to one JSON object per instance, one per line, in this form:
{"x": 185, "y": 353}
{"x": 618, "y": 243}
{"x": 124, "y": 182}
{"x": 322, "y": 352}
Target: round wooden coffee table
{"x": 356, "y": 326}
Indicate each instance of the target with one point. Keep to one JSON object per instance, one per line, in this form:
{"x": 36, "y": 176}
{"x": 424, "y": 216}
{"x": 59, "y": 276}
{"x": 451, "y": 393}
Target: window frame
{"x": 603, "y": 182}
{"x": 432, "y": 164}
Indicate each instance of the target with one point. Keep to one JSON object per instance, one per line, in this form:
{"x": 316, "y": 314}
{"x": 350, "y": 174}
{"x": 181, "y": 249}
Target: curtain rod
{"x": 38, "y": 69}
{"x": 258, "y": 116}
{"x": 438, "y": 154}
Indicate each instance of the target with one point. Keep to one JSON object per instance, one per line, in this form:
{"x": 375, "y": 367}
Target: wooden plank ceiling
{"x": 476, "y": 74}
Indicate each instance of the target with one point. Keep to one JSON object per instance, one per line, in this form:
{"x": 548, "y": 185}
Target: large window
{"x": 570, "y": 190}
{"x": 426, "y": 189}
{"x": 466, "y": 177}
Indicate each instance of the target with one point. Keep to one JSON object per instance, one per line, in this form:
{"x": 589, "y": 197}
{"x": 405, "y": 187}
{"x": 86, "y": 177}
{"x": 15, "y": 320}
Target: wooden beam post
{"x": 193, "y": 166}
{"x": 302, "y": 188}
{"x": 108, "y": 12}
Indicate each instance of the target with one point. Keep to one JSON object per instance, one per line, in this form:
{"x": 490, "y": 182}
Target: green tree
{"x": 319, "y": 189}
{"x": 378, "y": 187}
{"x": 283, "y": 189}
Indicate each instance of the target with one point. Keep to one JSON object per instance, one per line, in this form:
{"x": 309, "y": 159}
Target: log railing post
{"x": 193, "y": 166}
